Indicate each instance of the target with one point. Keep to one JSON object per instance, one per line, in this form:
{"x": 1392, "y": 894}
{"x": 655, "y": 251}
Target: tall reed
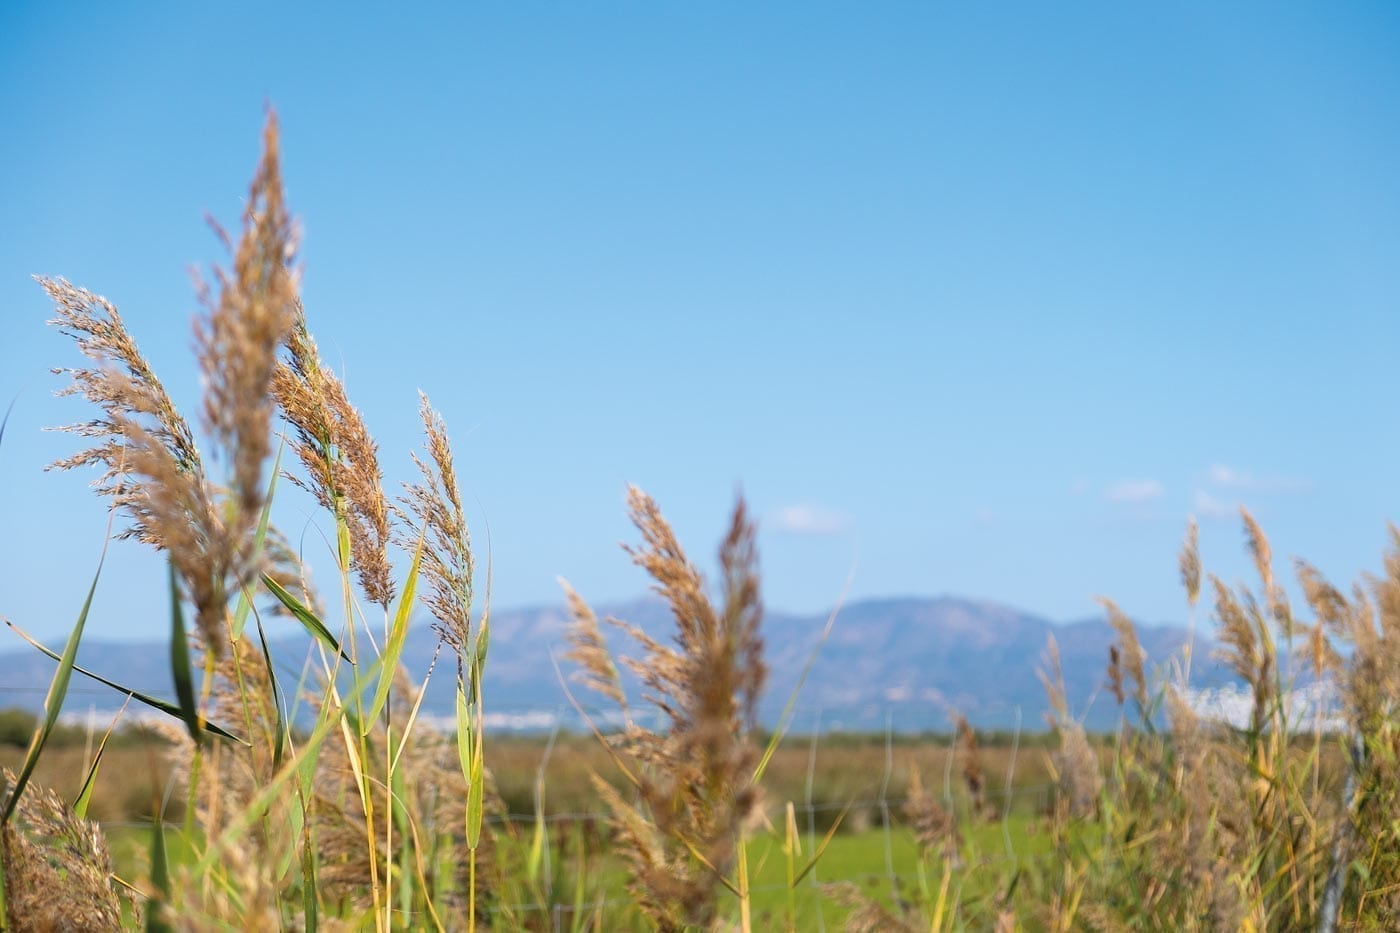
{"x": 694, "y": 782}
{"x": 354, "y": 815}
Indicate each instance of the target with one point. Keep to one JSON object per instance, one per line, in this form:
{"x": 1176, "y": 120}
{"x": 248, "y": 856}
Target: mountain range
{"x": 906, "y": 663}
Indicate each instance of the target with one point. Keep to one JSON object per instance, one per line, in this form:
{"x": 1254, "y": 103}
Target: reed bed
{"x": 366, "y": 819}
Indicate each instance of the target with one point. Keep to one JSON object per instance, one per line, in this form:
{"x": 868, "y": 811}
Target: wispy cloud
{"x": 1226, "y": 477}
{"x": 1208, "y": 506}
{"x": 1135, "y": 491}
{"x": 809, "y": 518}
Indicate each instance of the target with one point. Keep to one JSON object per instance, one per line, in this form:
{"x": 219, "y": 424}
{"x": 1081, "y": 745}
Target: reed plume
{"x": 1075, "y": 766}
{"x": 935, "y": 828}
{"x": 447, "y": 554}
{"x": 1127, "y": 656}
{"x": 974, "y": 779}
{"x": 339, "y": 455}
{"x": 695, "y": 780}
{"x": 152, "y": 468}
{"x": 58, "y": 872}
{"x": 1189, "y": 562}
{"x": 1247, "y": 647}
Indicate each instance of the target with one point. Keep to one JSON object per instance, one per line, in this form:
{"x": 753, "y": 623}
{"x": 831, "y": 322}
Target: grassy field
{"x": 885, "y": 866}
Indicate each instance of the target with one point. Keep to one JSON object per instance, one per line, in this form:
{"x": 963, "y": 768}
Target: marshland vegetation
{"x": 358, "y": 816}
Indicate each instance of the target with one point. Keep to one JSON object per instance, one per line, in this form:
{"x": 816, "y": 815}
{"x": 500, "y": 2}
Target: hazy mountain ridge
{"x": 906, "y": 661}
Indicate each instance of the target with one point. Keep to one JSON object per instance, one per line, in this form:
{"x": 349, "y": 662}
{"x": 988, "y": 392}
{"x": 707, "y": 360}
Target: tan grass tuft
{"x": 429, "y": 798}
{"x": 57, "y": 868}
{"x": 974, "y": 779}
{"x": 1274, "y": 598}
{"x": 867, "y": 914}
{"x": 1247, "y": 648}
{"x": 1115, "y": 674}
{"x": 694, "y": 781}
{"x": 1333, "y": 620}
{"x": 934, "y": 827}
{"x": 1130, "y": 655}
{"x": 123, "y": 386}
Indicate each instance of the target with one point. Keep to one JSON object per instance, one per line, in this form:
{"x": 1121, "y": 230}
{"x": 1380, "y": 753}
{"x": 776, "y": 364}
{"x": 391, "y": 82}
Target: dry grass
{"x": 695, "y": 783}
{"x": 58, "y": 874}
{"x": 1255, "y": 827}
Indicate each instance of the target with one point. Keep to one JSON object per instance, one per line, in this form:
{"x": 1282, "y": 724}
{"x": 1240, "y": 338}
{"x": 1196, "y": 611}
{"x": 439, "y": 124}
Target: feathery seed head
{"x": 1131, "y": 653}
{"x": 152, "y": 469}
{"x": 1190, "y": 563}
{"x": 447, "y": 554}
{"x": 340, "y": 457}
{"x": 695, "y": 781}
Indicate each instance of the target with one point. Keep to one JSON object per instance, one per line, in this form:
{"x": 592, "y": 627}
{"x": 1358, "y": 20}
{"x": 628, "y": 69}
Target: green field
{"x": 876, "y": 862}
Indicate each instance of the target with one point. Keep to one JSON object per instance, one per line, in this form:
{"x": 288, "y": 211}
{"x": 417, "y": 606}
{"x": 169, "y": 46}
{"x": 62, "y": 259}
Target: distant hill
{"x": 906, "y": 661}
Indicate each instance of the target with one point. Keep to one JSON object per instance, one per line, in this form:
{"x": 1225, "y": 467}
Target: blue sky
{"x": 976, "y": 299}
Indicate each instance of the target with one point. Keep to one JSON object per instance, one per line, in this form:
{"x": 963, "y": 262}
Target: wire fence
{"x": 888, "y": 875}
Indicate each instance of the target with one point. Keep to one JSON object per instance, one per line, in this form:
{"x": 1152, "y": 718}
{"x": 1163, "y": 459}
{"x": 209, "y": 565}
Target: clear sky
{"x": 981, "y": 299}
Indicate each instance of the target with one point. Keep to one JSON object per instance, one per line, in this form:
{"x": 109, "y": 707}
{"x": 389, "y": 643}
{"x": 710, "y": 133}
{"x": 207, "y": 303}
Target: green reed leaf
{"x": 170, "y": 709}
{"x": 393, "y": 648}
{"x": 80, "y": 804}
{"x": 180, "y": 662}
{"x": 304, "y": 615}
{"x": 53, "y": 701}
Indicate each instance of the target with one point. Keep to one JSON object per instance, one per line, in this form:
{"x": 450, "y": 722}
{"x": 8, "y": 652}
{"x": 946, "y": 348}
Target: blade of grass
{"x": 821, "y": 849}
{"x": 785, "y": 718}
{"x": 80, "y": 804}
{"x": 483, "y": 639}
{"x": 580, "y": 875}
{"x": 160, "y": 879}
{"x": 792, "y": 849}
{"x": 309, "y": 906}
{"x": 280, "y": 728}
{"x": 745, "y": 906}
{"x": 476, "y": 778}
{"x": 58, "y": 690}
{"x": 538, "y": 843}
{"x": 413, "y": 713}
{"x": 170, "y": 709}
{"x": 180, "y": 662}
{"x": 398, "y": 812}
{"x": 469, "y": 751}
{"x": 6, "y": 420}
{"x": 305, "y": 616}
{"x": 393, "y": 648}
